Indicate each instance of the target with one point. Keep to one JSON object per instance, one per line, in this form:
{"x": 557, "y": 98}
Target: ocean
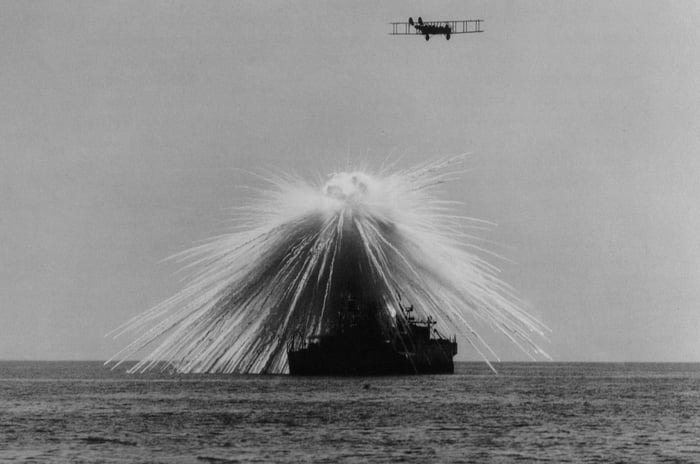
{"x": 528, "y": 412}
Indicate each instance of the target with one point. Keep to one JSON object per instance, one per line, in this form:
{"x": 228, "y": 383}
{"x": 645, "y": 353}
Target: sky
{"x": 128, "y": 130}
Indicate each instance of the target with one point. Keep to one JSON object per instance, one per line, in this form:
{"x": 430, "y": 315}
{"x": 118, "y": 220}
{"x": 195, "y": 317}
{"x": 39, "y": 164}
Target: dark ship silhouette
{"x": 358, "y": 346}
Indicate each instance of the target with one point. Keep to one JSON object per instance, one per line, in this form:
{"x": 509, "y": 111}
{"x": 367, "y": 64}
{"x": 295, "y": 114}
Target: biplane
{"x": 428, "y": 28}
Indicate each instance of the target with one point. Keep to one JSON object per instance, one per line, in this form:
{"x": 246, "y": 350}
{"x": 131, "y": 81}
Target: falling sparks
{"x": 300, "y": 248}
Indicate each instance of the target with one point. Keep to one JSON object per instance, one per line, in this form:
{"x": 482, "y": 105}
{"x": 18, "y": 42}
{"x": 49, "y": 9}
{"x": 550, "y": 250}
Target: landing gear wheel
{"x": 427, "y": 37}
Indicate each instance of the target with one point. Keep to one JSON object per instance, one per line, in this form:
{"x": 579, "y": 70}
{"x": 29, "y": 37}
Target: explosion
{"x": 299, "y": 249}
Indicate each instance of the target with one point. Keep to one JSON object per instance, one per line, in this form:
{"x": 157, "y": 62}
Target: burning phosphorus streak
{"x": 300, "y": 249}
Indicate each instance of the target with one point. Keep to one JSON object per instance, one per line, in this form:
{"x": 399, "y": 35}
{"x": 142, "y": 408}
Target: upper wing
{"x": 466, "y": 26}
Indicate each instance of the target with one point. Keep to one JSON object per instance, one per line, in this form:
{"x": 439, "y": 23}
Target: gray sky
{"x": 126, "y": 129}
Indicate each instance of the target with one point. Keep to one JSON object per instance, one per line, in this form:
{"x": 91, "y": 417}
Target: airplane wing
{"x": 466, "y": 26}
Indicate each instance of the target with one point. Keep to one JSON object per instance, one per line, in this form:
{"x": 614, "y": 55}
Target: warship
{"x": 358, "y": 346}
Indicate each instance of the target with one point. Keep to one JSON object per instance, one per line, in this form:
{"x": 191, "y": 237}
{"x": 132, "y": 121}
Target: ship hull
{"x": 352, "y": 358}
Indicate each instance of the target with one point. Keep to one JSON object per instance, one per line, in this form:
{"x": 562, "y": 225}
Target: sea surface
{"x": 528, "y": 412}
